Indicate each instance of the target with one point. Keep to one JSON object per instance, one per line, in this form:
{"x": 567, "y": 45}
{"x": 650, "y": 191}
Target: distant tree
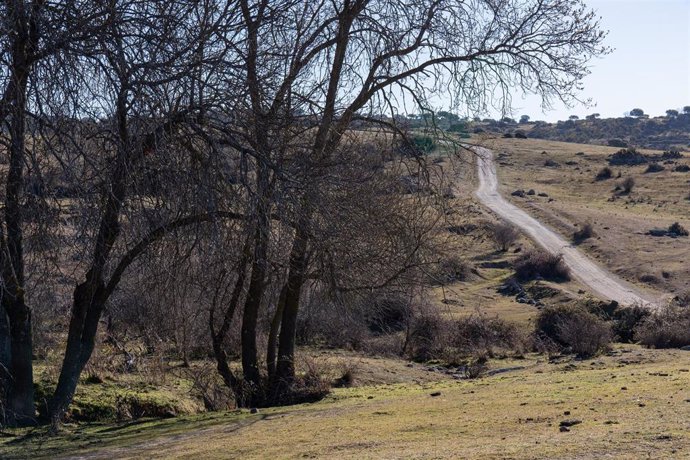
{"x": 573, "y": 117}
{"x": 671, "y": 113}
{"x": 507, "y": 120}
{"x": 524, "y": 119}
{"x": 593, "y": 116}
{"x": 686, "y": 109}
{"x": 637, "y": 113}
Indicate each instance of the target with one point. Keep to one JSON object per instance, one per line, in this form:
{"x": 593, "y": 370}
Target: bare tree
{"x": 356, "y": 60}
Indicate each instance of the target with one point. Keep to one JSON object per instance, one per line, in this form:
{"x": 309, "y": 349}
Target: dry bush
{"x": 541, "y": 264}
{"x": 426, "y": 337}
{"x": 585, "y": 232}
{"x": 388, "y": 313}
{"x": 332, "y": 323}
{"x": 480, "y": 335}
{"x": 626, "y": 320}
{"x": 449, "y": 270}
{"x": 504, "y": 235}
{"x": 433, "y": 338}
{"x": 667, "y": 327}
{"x": 585, "y": 335}
{"x": 677, "y": 230}
{"x": 604, "y": 174}
{"x": 309, "y": 385}
{"x": 654, "y": 168}
{"x": 573, "y": 328}
{"x": 209, "y": 387}
{"x": 628, "y": 184}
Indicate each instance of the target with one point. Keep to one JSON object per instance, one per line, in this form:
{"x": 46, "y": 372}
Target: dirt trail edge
{"x": 599, "y": 280}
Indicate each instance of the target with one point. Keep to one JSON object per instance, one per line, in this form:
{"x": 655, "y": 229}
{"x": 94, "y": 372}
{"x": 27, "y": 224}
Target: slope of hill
{"x": 653, "y": 133}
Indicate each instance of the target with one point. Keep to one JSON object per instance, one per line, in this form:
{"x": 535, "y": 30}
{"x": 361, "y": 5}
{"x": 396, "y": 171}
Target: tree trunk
{"x": 285, "y": 369}
{"x": 86, "y": 311}
{"x": 272, "y": 348}
{"x": 250, "y": 363}
{"x": 20, "y": 397}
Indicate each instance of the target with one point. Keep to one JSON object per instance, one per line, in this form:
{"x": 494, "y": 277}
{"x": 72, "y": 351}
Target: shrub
{"x": 617, "y": 143}
{"x": 586, "y": 335}
{"x": 449, "y": 270}
{"x": 585, "y": 232}
{"x": 504, "y": 235}
{"x": 507, "y": 136}
{"x": 425, "y": 337}
{"x": 682, "y": 168}
{"x": 388, "y": 313}
{"x": 541, "y": 264}
{"x": 604, "y": 173}
{"x": 424, "y": 144}
{"x": 626, "y": 320}
{"x": 667, "y": 327}
{"x": 480, "y": 335}
{"x": 628, "y": 157}
{"x": 520, "y": 135}
{"x": 551, "y": 163}
{"x": 677, "y": 230}
{"x": 335, "y": 324}
{"x": 308, "y": 386}
{"x": 671, "y": 155}
{"x": 628, "y": 184}
{"x": 573, "y": 328}
{"x": 654, "y": 168}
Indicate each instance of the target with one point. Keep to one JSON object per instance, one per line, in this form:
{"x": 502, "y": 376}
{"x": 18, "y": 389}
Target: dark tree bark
{"x": 285, "y": 368}
{"x": 20, "y": 394}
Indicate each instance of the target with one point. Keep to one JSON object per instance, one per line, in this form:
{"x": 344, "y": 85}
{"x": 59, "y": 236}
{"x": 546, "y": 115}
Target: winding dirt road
{"x": 598, "y": 279}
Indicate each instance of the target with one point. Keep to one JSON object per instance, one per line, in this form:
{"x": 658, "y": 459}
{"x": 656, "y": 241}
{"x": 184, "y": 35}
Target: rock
{"x": 254, "y": 410}
{"x": 435, "y": 393}
{"x": 566, "y": 412}
{"x": 544, "y": 195}
{"x": 519, "y": 193}
{"x": 531, "y": 192}
{"x": 511, "y": 287}
{"x": 570, "y": 422}
{"x": 564, "y": 429}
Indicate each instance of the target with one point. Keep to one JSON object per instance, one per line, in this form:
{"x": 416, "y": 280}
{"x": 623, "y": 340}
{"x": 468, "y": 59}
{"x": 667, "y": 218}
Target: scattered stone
{"x": 566, "y": 412}
{"x": 519, "y": 193}
{"x": 564, "y": 429}
{"x": 435, "y": 393}
{"x": 531, "y": 192}
{"x": 254, "y": 410}
{"x": 542, "y": 194}
{"x": 624, "y": 388}
{"x": 642, "y": 404}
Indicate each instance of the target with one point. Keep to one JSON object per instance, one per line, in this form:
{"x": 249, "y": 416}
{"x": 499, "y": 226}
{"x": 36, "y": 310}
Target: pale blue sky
{"x": 649, "y": 67}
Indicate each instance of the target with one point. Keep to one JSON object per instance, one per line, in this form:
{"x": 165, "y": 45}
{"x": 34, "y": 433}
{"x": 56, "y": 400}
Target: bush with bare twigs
{"x": 541, "y": 264}
{"x": 504, "y": 235}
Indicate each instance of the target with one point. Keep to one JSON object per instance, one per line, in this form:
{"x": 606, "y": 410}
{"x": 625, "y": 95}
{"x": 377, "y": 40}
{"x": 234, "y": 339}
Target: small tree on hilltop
{"x": 637, "y": 113}
{"x": 524, "y": 119}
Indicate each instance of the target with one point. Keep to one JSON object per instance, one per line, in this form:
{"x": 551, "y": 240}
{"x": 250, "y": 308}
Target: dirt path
{"x": 598, "y": 279}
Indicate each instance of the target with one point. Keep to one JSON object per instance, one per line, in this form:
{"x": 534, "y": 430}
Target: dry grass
{"x": 632, "y": 404}
{"x": 620, "y": 221}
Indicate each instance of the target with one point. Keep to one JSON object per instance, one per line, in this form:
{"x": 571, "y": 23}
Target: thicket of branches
{"x": 206, "y": 151}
